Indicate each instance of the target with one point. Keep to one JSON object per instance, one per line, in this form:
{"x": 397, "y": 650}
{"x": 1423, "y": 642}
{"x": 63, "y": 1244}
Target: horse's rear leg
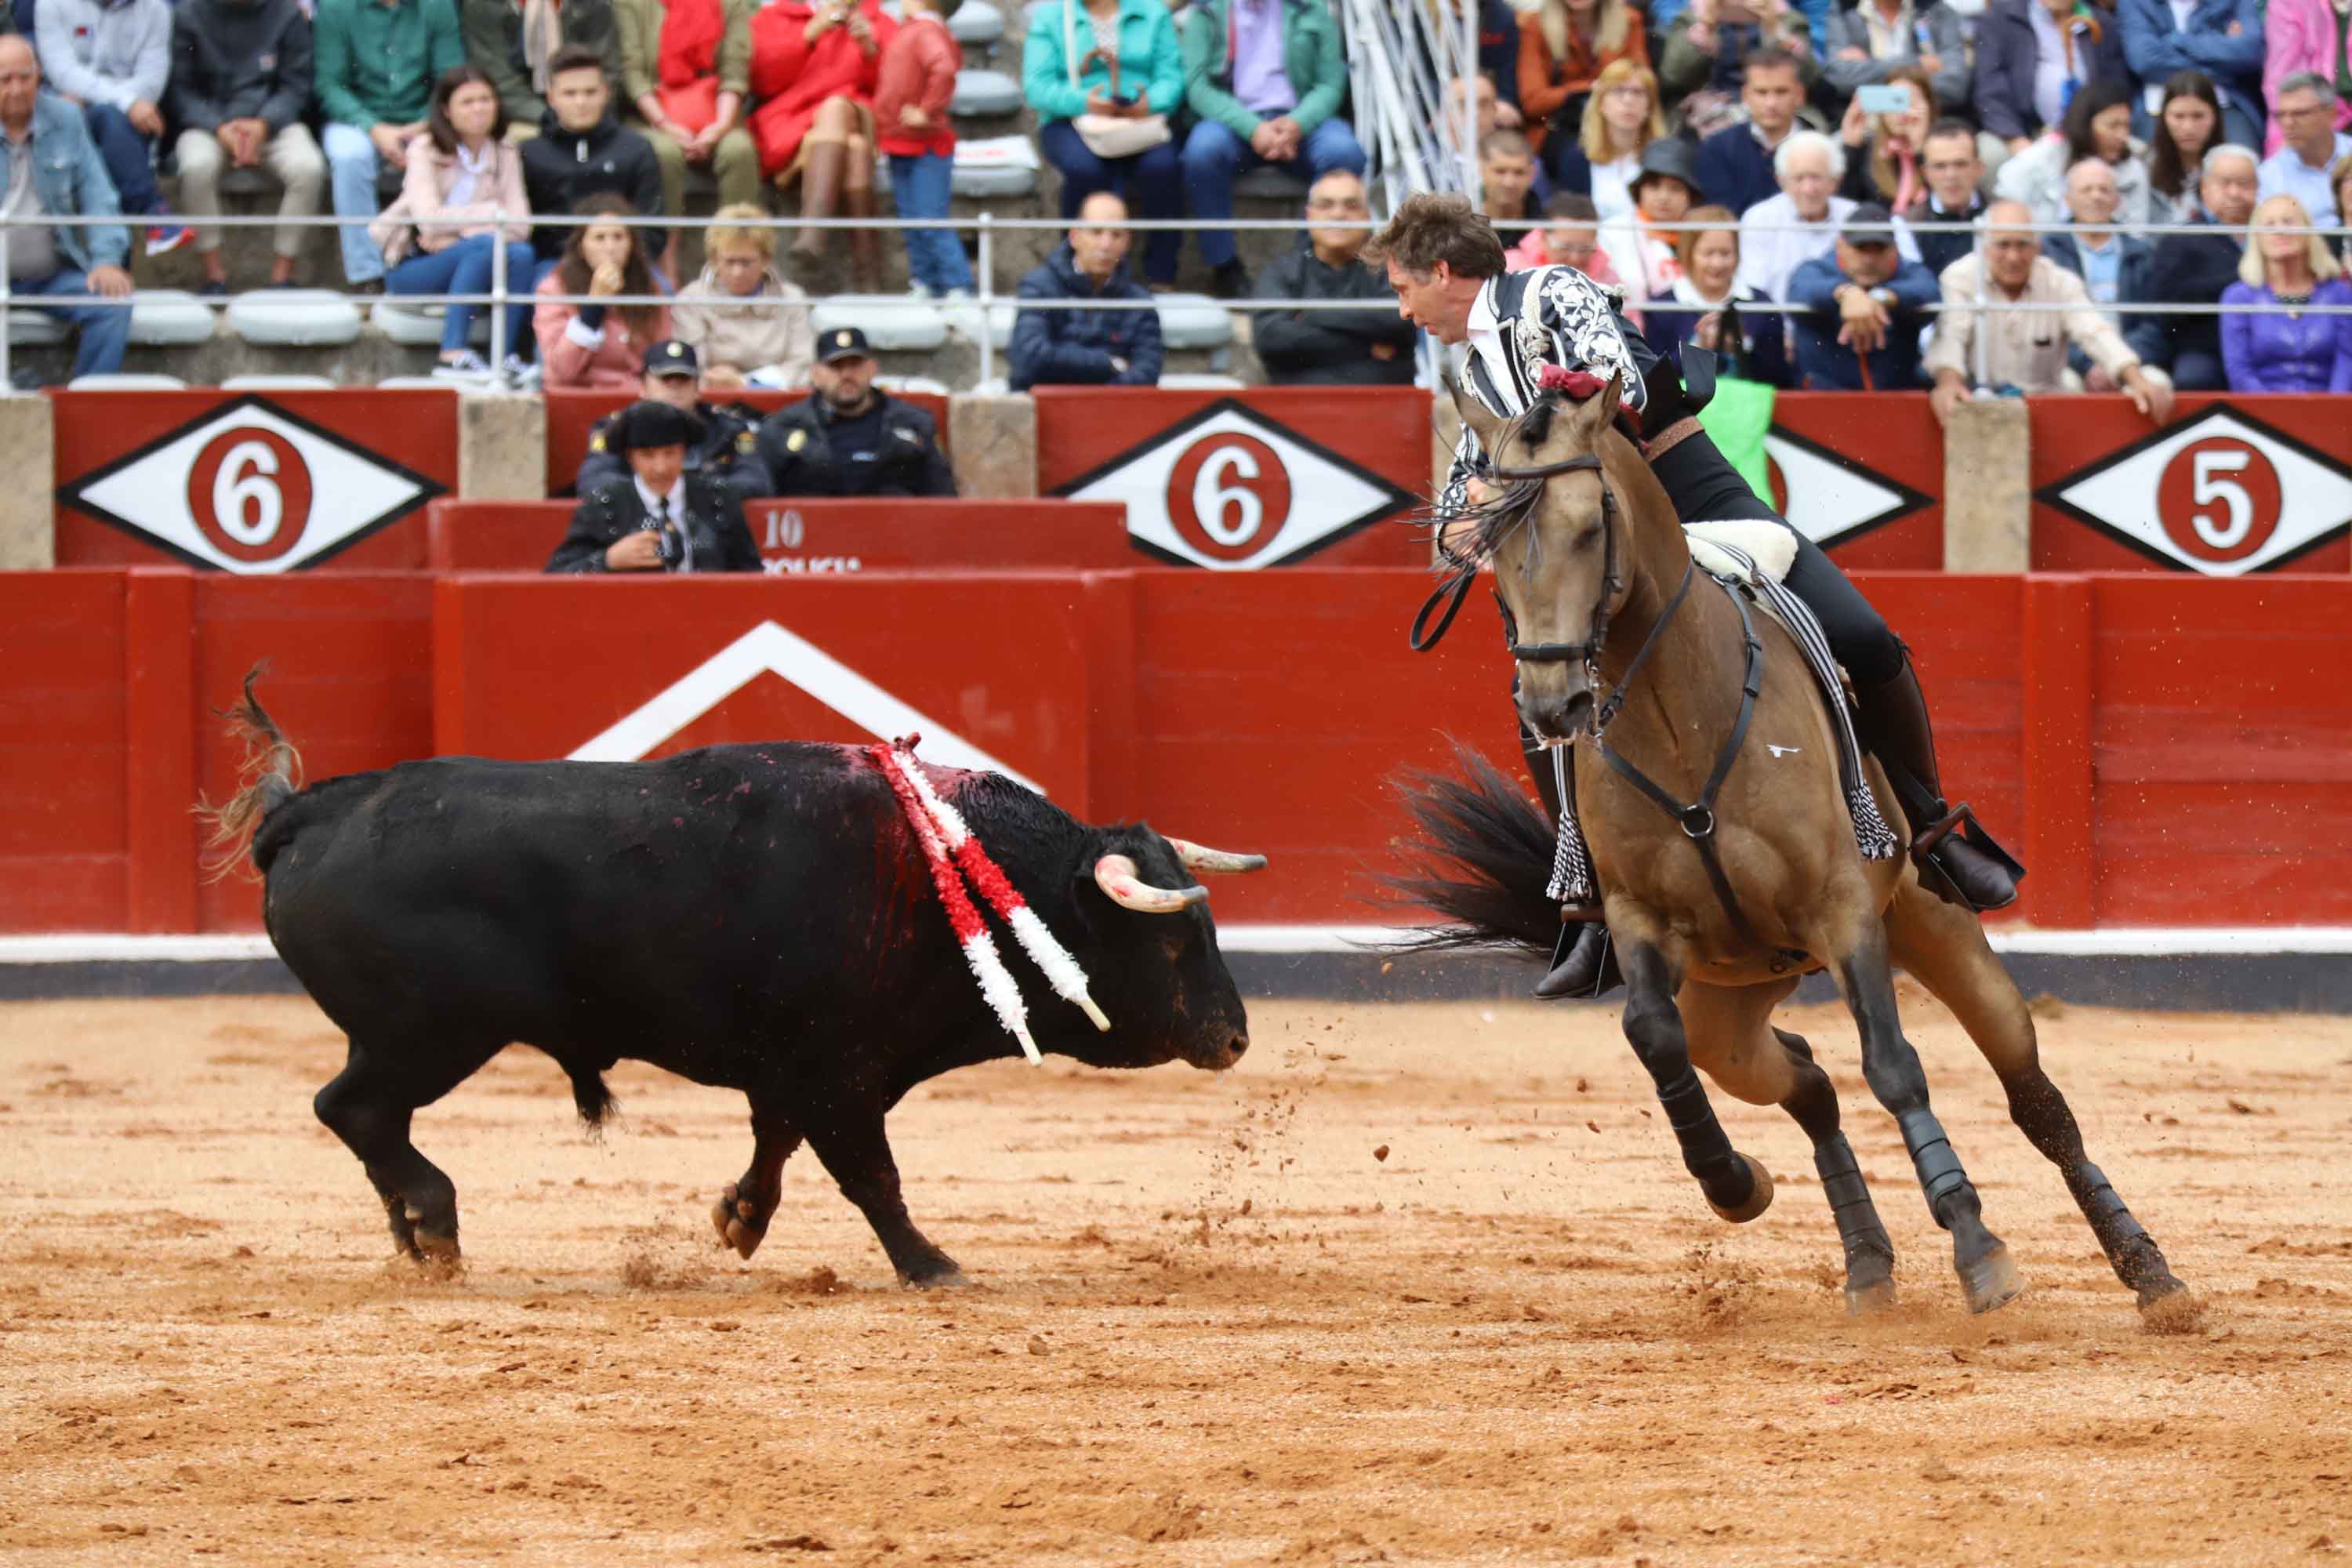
{"x": 1737, "y": 1187}
{"x": 1869, "y": 1254}
{"x": 1988, "y": 1277}
{"x": 1945, "y": 949}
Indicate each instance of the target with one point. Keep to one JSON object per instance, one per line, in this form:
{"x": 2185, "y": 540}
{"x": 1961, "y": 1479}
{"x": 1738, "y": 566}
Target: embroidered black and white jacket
{"x": 1522, "y": 322}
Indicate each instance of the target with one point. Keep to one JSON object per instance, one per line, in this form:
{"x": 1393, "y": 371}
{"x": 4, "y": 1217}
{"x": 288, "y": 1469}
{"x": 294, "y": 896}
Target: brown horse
{"x": 1717, "y": 906}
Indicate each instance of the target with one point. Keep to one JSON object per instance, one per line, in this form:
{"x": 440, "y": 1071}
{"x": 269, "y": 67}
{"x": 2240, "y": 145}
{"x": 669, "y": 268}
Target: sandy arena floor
{"x": 1415, "y": 1284}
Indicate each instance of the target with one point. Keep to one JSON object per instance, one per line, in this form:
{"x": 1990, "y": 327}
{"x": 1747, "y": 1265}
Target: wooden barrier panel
{"x": 820, "y": 536}
{"x": 251, "y": 483}
{"x": 1234, "y": 481}
{"x": 2158, "y": 750}
{"x": 2232, "y": 485}
{"x": 570, "y": 414}
{"x": 1861, "y": 475}
{"x": 2221, "y": 735}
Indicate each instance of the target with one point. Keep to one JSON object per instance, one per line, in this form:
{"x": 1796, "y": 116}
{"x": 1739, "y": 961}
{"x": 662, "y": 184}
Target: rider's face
{"x": 1429, "y": 300}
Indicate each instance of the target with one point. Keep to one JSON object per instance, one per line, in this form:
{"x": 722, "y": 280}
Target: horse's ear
{"x": 1486, "y": 426}
{"x": 1596, "y": 413}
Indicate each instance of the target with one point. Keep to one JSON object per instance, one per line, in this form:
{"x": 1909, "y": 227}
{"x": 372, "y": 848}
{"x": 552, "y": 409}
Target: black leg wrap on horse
{"x": 1706, "y": 1152}
{"x": 1932, "y": 1156}
{"x": 1857, "y": 1217}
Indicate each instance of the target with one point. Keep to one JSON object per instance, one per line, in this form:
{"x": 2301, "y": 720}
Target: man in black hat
{"x": 850, "y": 437}
{"x": 661, "y": 518}
{"x": 1866, "y": 305}
{"x": 729, "y": 450}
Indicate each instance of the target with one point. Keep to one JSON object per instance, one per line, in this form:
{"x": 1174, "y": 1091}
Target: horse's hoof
{"x": 1758, "y": 1200}
{"x": 1990, "y": 1282}
{"x": 951, "y": 1279}
{"x": 2170, "y": 1308}
{"x": 1861, "y": 1300}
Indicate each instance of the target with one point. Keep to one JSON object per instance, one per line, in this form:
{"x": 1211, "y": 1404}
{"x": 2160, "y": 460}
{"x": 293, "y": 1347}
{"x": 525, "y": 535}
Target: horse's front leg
{"x": 1988, "y": 1277}
{"x": 1737, "y": 1187}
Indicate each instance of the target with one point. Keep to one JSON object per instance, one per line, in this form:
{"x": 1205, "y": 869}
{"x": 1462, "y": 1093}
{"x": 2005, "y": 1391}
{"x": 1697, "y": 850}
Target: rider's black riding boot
{"x": 1584, "y": 963}
{"x": 1893, "y": 722}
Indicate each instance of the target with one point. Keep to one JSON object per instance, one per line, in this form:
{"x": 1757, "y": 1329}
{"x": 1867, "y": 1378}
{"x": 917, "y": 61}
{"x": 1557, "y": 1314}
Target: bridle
{"x": 1696, "y": 818}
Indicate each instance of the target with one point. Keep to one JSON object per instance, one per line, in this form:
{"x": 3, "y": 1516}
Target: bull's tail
{"x": 272, "y": 772}
{"x": 1481, "y": 861}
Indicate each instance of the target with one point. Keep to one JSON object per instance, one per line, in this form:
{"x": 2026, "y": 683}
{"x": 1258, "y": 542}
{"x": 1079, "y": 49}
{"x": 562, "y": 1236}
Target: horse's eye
{"x": 1591, "y": 537}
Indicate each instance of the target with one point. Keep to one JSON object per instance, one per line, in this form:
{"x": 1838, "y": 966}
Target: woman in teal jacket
{"x": 1149, "y": 77}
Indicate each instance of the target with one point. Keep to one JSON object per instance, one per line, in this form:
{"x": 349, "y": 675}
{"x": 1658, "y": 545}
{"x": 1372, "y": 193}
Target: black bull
{"x": 754, "y": 917}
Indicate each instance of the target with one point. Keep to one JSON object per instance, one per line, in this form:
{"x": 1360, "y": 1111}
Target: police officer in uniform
{"x": 1447, "y": 269}
{"x": 729, "y": 449}
{"x": 661, "y": 515}
{"x": 850, "y": 437}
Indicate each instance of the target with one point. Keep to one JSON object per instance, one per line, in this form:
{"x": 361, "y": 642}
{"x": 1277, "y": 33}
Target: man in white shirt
{"x": 2306, "y": 113}
{"x": 1781, "y": 235}
{"x": 2026, "y": 349}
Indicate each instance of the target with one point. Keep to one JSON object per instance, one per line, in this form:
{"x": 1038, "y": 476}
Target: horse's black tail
{"x": 272, "y": 773}
{"x": 1481, "y": 860}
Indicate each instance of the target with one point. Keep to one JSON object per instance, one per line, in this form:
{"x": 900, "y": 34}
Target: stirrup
{"x": 1923, "y": 842}
{"x": 1581, "y": 914}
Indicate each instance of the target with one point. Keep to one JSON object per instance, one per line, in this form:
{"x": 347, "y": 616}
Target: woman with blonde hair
{"x": 1564, "y": 46}
{"x": 1882, "y": 151}
{"x": 2287, "y": 349}
{"x": 742, "y": 315}
{"x": 1621, "y": 118}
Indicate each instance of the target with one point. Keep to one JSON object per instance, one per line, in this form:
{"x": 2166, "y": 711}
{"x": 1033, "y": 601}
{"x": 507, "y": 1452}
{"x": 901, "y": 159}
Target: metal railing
{"x": 502, "y": 296}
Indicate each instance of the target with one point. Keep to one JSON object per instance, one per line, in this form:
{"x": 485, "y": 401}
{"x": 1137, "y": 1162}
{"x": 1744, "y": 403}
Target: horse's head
{"x": 1558, "y": 548}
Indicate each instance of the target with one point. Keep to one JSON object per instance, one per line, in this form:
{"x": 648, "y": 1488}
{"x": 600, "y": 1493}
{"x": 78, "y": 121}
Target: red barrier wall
{"x": 1863, "y": 476}
{"x": 2161, "y": 749}
{"x": 570, "y": 412}
{"x": 254, "y": 482}
{"x": 819, "y": 536}
{"x": 2230, "y": 485}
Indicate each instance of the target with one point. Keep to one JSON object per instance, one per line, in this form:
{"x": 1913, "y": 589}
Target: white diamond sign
{"x": 1233, "y": 490}
{"x": 250, "y": 487}
{"x": 1827, "y": 496}
{"x": 2223, "y": 494}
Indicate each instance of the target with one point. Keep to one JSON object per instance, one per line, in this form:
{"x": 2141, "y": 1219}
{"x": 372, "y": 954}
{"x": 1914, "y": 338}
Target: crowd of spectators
{"x": 1860, "y": 162}
{"x": 1822, "y": 142}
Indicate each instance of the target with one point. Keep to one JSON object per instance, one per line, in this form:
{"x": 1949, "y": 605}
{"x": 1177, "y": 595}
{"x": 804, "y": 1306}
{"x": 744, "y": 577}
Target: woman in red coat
{"x": 814, "y": 66}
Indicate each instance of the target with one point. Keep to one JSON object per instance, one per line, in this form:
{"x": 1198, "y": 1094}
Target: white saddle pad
{"x": 1772, "y": 547}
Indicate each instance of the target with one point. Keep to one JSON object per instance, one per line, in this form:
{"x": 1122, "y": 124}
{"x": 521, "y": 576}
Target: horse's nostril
{"x": 1579, "y": 709}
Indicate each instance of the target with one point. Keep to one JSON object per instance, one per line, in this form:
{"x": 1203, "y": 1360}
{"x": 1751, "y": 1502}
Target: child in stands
{"x": 910, "y": 120}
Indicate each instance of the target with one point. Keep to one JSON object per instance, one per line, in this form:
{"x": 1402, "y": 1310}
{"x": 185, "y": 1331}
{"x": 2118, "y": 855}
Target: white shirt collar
{"x": 673, "y": 503}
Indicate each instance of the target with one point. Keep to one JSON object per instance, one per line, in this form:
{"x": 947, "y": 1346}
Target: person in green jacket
{"x": 377, "y": 63}
{"x": 1266, "y": 79}
{"x": 510, "y": 41}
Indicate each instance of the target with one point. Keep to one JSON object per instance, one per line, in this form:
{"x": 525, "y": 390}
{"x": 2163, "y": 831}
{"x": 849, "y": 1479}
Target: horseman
{"x": 1450, "y": 279}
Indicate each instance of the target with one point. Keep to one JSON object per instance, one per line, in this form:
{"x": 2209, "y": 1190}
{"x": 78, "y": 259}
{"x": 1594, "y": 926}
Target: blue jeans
{"x": 465, "y": 269}
{"x": 1215, "y": 155}
{"x": 350, "y": 175}
{"x": 105, "y": 328}
{"x": 1154, "y": 188}
{"x": 919, "y": 184}
{"x": 129, "y": 157}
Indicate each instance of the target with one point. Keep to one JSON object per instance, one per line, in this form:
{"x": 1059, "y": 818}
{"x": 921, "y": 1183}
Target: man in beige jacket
{"x": 2027, "y": 349}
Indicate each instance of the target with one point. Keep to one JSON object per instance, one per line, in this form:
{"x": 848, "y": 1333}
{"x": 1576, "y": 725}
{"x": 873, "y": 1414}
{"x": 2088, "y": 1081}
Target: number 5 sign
{"x": 1232, "y": 489}
{"x": 2222, "y": 494}
{"x": 249, "y": 487}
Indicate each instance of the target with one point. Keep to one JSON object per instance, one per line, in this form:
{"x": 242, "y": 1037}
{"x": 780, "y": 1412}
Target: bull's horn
{"x": 1200, "y": 857}
{"x": 1116, "y": 876}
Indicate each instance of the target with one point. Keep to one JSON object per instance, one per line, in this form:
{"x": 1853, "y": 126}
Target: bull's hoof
{"x": 1863, "y": 1298}
{"x": 2168, "y": 1307}
{"x": 1991, "y": 1282}
{"x": 1760, "y": 1196}
{"x": 434, "y": 1252}
{"x": 941, "y": 1276}
{"x": 739, "y": 1220}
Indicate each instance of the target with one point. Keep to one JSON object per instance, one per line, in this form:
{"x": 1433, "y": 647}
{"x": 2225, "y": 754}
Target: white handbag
{"x": 1108, "y": 136}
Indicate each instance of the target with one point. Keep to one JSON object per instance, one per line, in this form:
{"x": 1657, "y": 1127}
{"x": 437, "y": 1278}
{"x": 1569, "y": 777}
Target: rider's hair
{"x": 1430, "y": 228}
